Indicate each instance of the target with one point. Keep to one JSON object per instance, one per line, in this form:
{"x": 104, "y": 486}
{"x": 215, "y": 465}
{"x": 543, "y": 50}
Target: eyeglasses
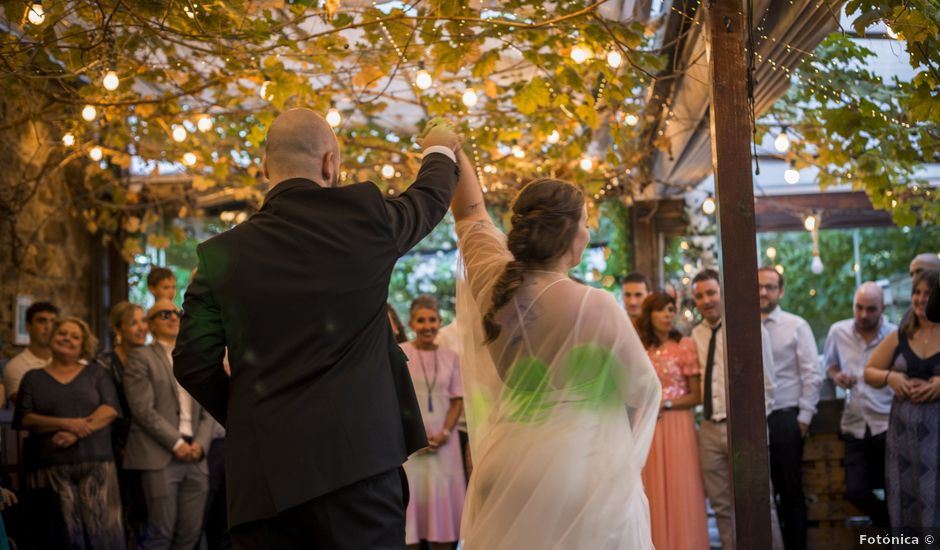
{"x": 165, "y": 314}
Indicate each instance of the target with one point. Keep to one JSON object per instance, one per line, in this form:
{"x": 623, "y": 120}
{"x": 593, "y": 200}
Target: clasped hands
{"x": 188, "y": 452}
{"x": 914, "y": 389}
{"x": 440, "y": 132}
{"x": 72, "y": 430}
{"x": 434, "y": 442}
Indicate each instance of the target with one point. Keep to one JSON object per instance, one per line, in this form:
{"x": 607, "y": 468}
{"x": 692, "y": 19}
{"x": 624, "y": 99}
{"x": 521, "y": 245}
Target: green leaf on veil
{"x": 527, "y": 388}
{"x": 592, "y": 375}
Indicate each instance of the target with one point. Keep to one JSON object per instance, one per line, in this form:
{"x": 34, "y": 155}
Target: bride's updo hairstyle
{"x": 545, "y": 217}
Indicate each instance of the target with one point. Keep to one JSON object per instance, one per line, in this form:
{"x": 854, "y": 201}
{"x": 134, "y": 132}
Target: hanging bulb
{"x": 68, "y": 139}
{"x": 771, "y": 253}
{"x": 517, "y": 152}
{"x": 614, "y": 59}
{"x": 810, "y": 223}
{"x": 333, "y": 118}
{"x": 388, "y": 171}
{"x": 189, "y": 159}
{"x": 470, "y": 97}
{"x": 708, "y": 206}
{"x": 96, "y": 153}
{"x": 631, "y": 120}
{"x": 423, "y": 80}
{"x": 36, "y": 15}
{"x": 265, "y": 90}
{"x": 110, "y": 81}
{"x": 586, "y": 164}
{"x": 204, "y": 123}
{"x": 89, "y": 113}
{"x": 779, "y": 269}
{"x": 179, "y": 134}
{"x": 792, "y": 175}
{"x": 782, "y": 142}
{"x": 580, "y": 54}
{"x": 553, "y": 137}
{"x": 817, "y": 266}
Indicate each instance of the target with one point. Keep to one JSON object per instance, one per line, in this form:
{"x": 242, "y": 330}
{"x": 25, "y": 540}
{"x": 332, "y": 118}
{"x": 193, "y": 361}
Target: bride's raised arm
{"x": 468, "y": 201}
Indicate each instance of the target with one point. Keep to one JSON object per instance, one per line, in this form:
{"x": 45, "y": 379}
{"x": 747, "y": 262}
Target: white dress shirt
{"x": 797, "y": 373}
{"x": 186, "y": 401}
{"x": 701, "y": 334}
{"x": 16, "y": 369}
{"x": 865, "y": 406}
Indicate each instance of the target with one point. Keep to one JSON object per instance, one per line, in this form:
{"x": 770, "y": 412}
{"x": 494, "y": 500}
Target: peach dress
{"x": 671, "y": 477}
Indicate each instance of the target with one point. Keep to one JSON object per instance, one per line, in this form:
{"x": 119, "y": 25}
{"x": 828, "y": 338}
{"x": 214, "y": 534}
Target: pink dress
{"x": 671, "y": 477}
{"x": 435, "y": 480}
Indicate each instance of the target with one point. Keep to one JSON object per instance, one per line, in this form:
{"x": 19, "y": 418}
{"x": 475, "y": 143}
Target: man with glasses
{"x": 797, "y": 378}
{"x": 169, "y": 435}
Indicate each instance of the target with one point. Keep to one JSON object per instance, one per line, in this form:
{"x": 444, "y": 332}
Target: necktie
{"x": 709, "y": 367}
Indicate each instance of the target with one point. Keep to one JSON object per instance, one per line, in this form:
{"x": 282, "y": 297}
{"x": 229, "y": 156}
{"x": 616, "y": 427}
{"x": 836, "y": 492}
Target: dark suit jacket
{"x": 319, "y": 396}
{"x": 933, "y": 305}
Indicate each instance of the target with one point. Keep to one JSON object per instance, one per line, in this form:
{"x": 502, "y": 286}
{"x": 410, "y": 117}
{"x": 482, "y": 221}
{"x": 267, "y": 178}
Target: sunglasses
{"x": 165, "y": 314}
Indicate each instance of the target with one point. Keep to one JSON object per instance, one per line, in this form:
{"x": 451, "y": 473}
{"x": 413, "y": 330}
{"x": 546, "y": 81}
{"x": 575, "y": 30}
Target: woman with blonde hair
{"x": 561, "y": 396}
{"x": 68, "y": 407}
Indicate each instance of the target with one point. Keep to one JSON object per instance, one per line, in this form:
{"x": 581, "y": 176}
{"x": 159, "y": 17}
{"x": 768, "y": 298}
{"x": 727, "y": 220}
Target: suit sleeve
{"x": 200, "y": 346}
{"x": 203, "y": 434}
{"x": 140, "y": 399}
{"x": 415, "y": 212}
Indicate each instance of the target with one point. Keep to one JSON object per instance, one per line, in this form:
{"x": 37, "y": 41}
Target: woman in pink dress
{"x": 435, "y": 475}
{"x": 671, "y": 477}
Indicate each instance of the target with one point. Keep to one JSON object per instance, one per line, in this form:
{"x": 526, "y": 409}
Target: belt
{"x": 786, "y": 410}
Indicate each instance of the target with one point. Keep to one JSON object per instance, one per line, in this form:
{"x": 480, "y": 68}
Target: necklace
{"x": 430, "y": 386}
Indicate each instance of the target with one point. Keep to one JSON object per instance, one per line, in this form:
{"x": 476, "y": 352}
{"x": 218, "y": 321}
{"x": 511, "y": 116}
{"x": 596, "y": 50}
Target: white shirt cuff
{"x": 444, "y": 150}
{"x": 177, "y": 444}
{"x": 805, "y": 416}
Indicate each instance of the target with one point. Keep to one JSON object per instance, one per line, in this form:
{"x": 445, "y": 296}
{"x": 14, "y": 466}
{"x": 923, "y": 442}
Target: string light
{"x": 263, "y": 91}
{"x": 388, "y": 171}
{"x": 779, "y": 269}
{"x": 631, "y": 120}
{"x": 36, "y": 15}
{"x": 470, "y": 97}
{"x": 423, "y": 79}
{"x": 580, "y": 54}
{"x": 586, "y": 164}
{"x": 333, "y": 118}
{"x": 708, "y": 206}
{"x": 614, "y": 59}
{"x": 89, "y": 113}
{"x": 782, "y": 142}
{"x": 68, "y": 139}
{"x": 204, "y": 124}
{"x": 517, "y": 152}
{"x": 189, "y": 159}
{"x": 771, "y": 253}
{"x": 179, "y": 134}
{"x": 96, "y": 153}
{"x": 553, "y": 137}
{"x": 792, "y": 175}
{"x": 110, "y": 81}
{"x": 809, "y": 223}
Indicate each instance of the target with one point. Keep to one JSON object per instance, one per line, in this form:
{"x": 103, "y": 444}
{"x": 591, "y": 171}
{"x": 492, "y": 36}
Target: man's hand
{"x": 9, "y": 498}
{"x": 804, "y": 427}
{"x": 901, "y": 384}
{"x": 184, "y": 452}
{"x": 78, "y": 426}
{"x": 64, "y": 439}
{"x": 196, "y": 452}
{"x": 440, "y": 134}
{"x": 926, "y": 391}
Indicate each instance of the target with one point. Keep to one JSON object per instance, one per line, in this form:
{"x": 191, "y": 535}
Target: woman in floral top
{"x": 671, "y": 477}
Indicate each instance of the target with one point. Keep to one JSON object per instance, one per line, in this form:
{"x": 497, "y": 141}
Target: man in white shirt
{"x": 797, "y": 378}
{"x": 713, "y": 435}
{"x": 865, "y": 417}
{"x": 39, "y": 319}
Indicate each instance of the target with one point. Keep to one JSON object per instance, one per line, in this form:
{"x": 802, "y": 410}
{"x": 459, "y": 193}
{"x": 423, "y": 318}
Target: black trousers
{"x": 215, "y": 521}
{"x": 786, "y": 472}
{"x": 865, "y": 472}
{"x": 369, "y": 514}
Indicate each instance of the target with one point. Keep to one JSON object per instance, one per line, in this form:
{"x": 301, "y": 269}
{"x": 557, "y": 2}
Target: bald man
{"x": 168, "y": 438}
{"x": 320, "y": 411}
{"x": 865, "y": 416}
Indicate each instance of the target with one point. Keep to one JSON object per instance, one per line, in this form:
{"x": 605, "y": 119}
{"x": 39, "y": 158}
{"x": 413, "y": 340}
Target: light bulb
{"x": 333, "y": 118}
{"x": 241, "y": 217}
{"x": 817, "y": 266}
{"x": 779, "y": 269}
{"x": 110, "y": 81}
{"x": 517, "y": 152}
{"x": 631, "y": 120}
{"x": 263, "y": 91}
{"x": 179, "y": 134}
{"x": 470, "y": 97}
{"x": 489, "y": 169}
{"x": 708, "y": 206}
{"x": 782, "y": 142}
{"x": 580, "y": 54}
{"x": 204, "y": 123}
{"x": 36, "y": 15}
{"x": 189, "y": 159}
{"x": 810, "y": 223}
{"x": 68, "y": 139}
{"x": 96, "y": 153}
{"x": 586, "y": 164}
{"x": 553, "y": 137}
{"x": 791, "y": 176}
{"x": 614, "y": 59}
{"x": 388, "y": 171}
{"x": 423, "y": 80}
{"x": 771, "y": 253}
{"x": 89, "y": 113}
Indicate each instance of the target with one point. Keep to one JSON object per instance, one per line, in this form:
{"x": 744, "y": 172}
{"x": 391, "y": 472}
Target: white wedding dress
{"x": 561, "y": 410}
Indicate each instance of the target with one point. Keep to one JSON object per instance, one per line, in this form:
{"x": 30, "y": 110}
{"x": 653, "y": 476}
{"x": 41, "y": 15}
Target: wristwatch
{"x": 667, "y": 404}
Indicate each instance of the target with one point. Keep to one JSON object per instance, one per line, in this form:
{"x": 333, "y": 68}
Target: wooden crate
{"x": 830, "y": 538}
{"x": 828, "y": 479}
{"x": 823, "y": 447}
{"x": 830, "y": 508}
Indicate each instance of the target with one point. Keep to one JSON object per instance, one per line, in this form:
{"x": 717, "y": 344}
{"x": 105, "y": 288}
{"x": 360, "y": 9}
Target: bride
{"x": 561, "y": 399}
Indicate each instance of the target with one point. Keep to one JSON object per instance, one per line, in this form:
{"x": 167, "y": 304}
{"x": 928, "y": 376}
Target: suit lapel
{"x": 167, "y": 370}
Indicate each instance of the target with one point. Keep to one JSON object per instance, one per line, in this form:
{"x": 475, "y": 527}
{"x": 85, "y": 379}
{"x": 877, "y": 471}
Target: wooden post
{"x": 731, "y": 160}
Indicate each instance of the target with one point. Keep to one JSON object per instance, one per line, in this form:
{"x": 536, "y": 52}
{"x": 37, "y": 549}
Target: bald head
{"x": 869, "y": 306}
{"x": 928, "y": 261}
{"x": 301, "y": 144}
